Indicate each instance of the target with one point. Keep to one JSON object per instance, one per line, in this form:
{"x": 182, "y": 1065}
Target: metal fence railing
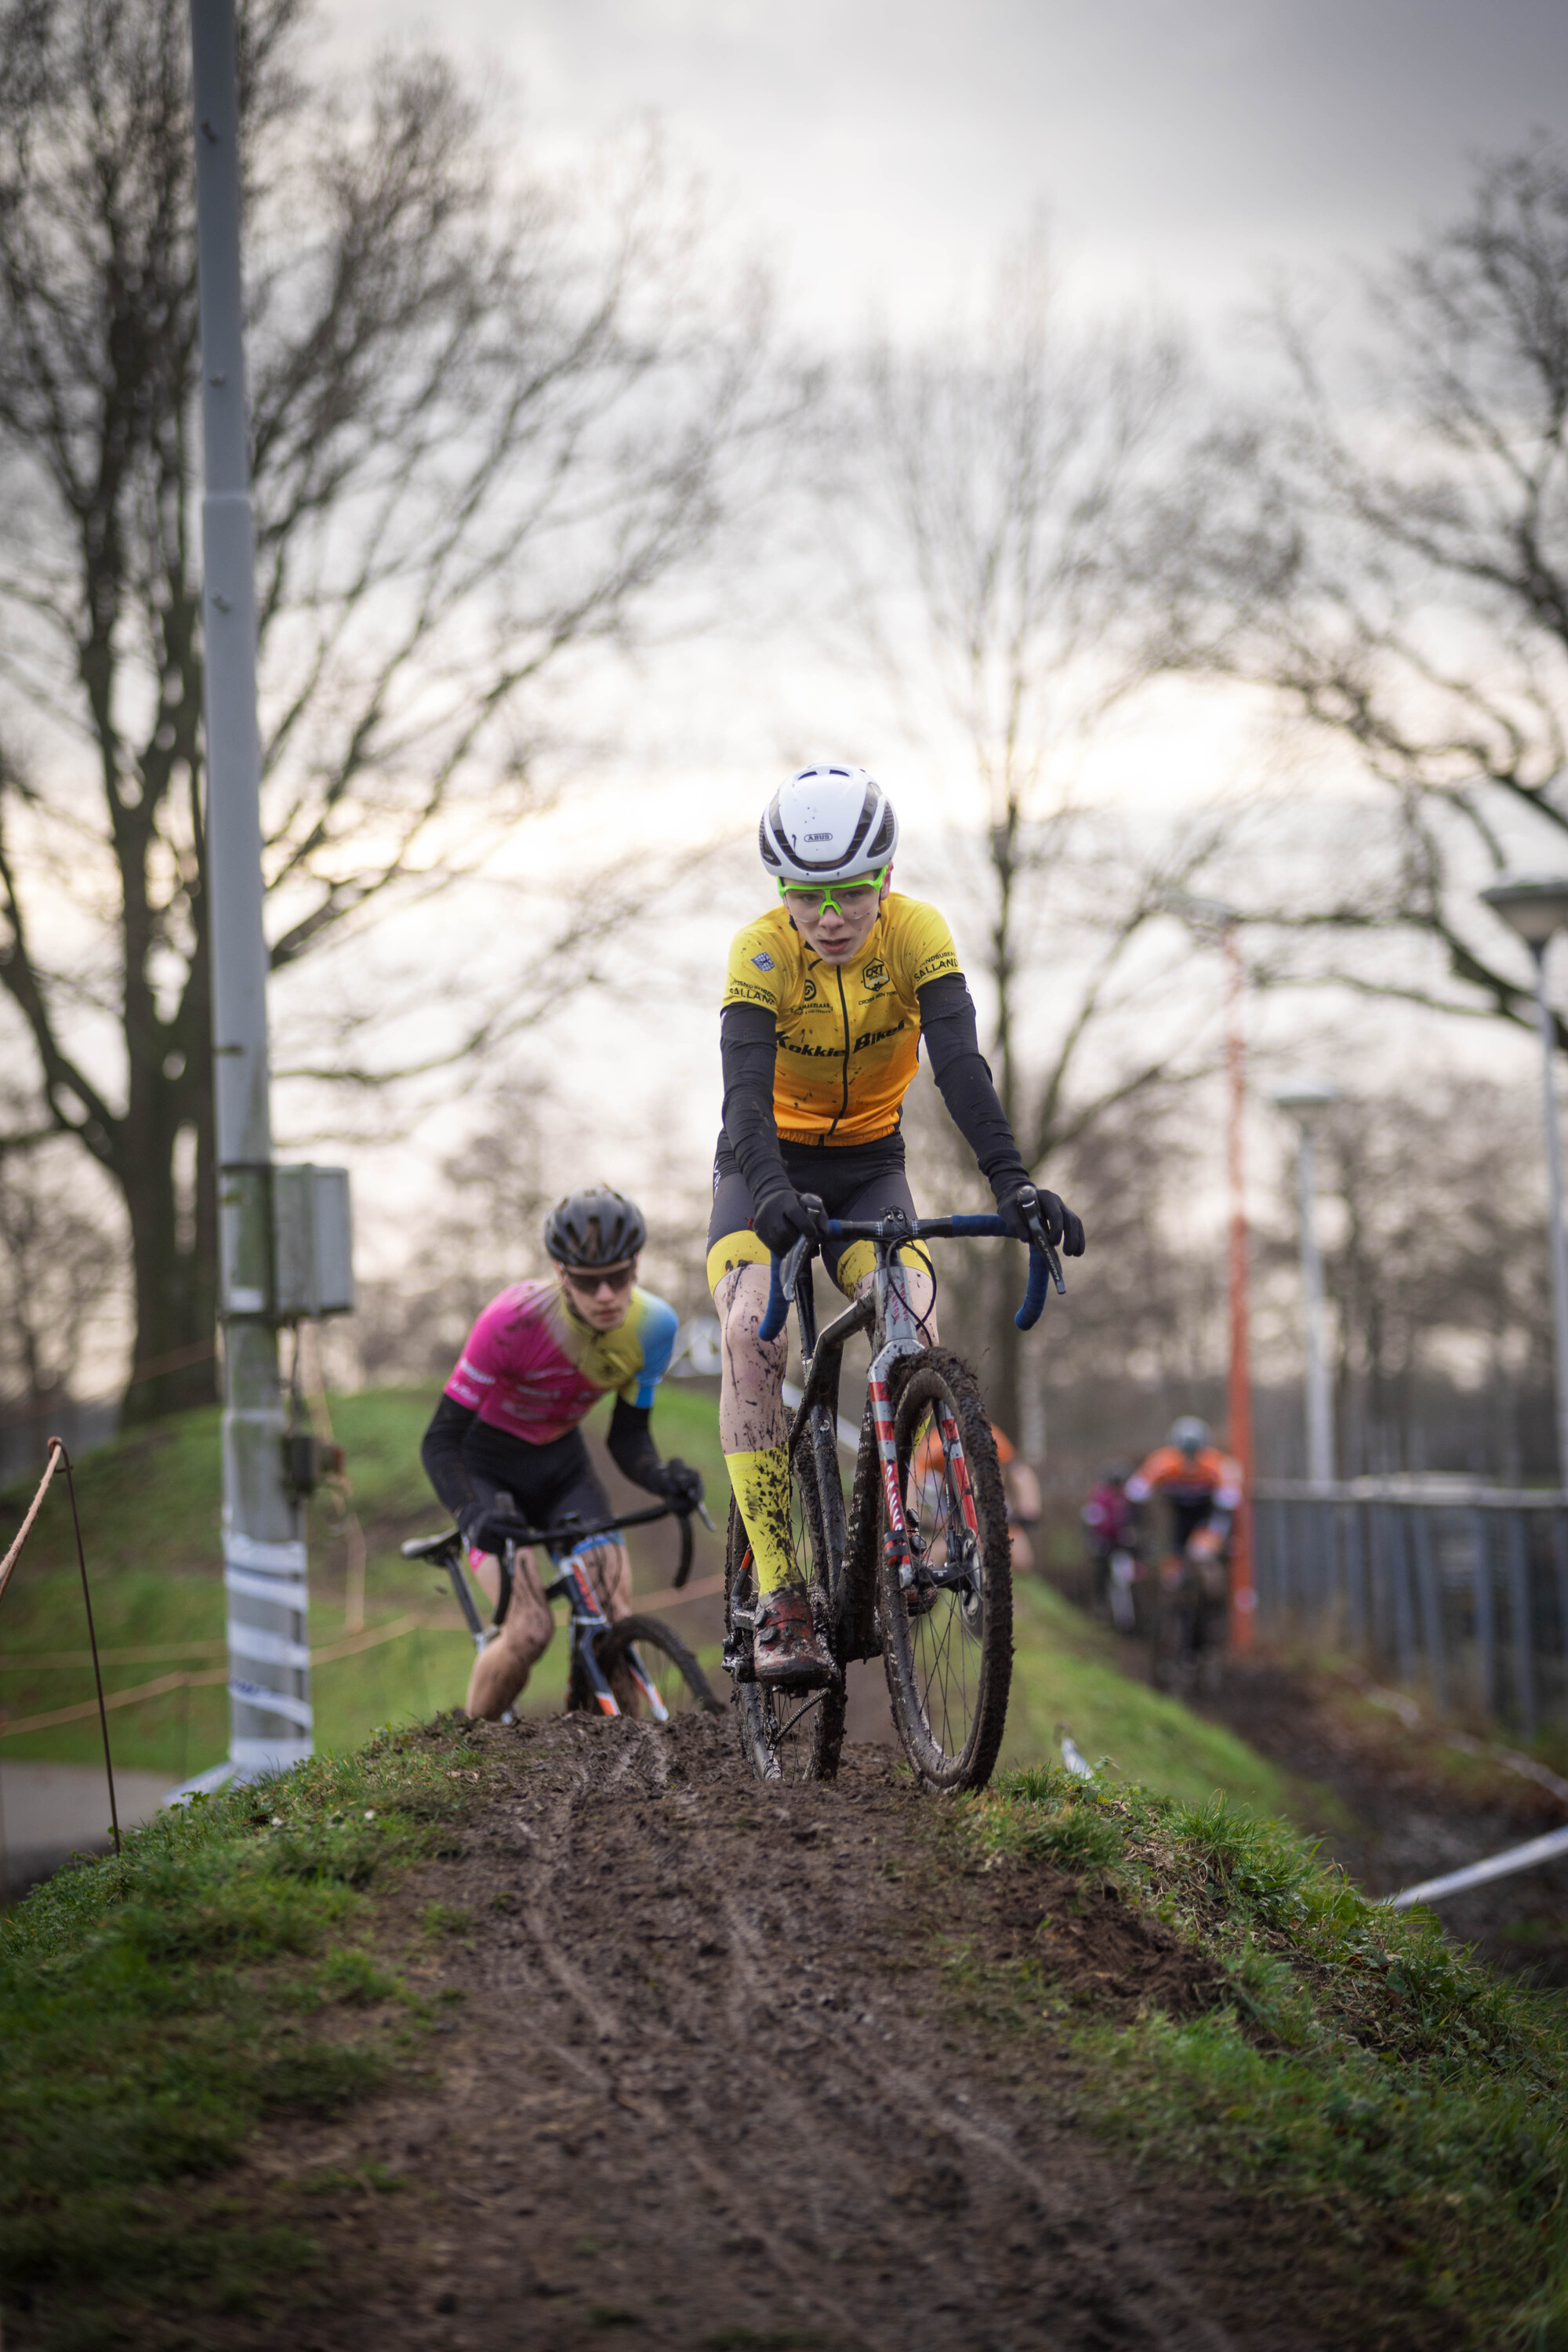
{"x": 1436, "y": 1581}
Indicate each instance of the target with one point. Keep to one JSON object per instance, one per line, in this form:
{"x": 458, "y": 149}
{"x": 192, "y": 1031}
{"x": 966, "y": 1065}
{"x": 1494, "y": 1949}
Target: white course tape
{"x": 269, "y": 1559}
{"x": 1476, "y": 1874}
{"x": 270, "y": 1701}
{"x": 267, "y": 1649}
{"x": 268, "y": 1755}
{"x": 283, "y": 1593}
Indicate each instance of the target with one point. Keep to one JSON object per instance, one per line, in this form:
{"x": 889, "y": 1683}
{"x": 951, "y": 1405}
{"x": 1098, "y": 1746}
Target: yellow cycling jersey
{"x": 848, "y": 1035}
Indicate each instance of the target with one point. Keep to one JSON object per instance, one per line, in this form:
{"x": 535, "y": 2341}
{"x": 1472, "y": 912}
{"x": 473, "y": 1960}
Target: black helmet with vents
{"x": 595, "y": 1226}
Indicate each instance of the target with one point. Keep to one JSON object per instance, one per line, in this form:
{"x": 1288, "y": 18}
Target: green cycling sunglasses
{"x": 844, "y": 898}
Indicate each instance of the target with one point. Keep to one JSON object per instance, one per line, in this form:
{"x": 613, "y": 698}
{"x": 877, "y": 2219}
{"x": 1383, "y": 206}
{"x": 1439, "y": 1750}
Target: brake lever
{"x": 702, "y": 1515}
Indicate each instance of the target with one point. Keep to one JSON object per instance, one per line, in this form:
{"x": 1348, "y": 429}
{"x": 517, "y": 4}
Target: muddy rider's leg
{"x": 502, "y": 1669}
{"x": 753, "y": 1423}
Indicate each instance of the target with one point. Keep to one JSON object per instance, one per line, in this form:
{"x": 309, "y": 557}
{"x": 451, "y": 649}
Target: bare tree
{"x": 1437, "y": 1272}
{"x": 1388, "y": 551}
{"x": 487, "y": 419}
{"x": 61, "y": 1274}
{"x": 1004, "y": 477}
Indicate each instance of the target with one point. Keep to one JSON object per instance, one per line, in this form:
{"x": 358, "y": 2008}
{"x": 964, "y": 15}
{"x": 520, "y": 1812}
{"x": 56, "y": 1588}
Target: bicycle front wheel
{"x": 663, "y": 1677}
{"x": 948, "y": 1636}
{"x": 789, "y": 1735}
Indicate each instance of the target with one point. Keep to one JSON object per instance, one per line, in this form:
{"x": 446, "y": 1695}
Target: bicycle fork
{"x": 899, "y": 1543}
{"x": 588, "y": 1622}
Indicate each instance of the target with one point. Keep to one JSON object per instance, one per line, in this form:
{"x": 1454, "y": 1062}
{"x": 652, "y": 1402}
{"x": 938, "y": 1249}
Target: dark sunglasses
{"x": 588, "y": 1278}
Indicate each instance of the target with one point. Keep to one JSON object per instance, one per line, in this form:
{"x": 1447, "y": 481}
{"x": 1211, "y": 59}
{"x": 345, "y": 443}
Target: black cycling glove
{"x": 679, "y": 1483}
{"x": 484, "y": 1528}
{"x": 779, "y": 1219}
{"x": 1062, "y": 1227}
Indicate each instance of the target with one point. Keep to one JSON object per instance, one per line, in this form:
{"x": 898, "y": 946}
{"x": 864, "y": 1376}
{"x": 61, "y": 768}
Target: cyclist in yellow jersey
{"x": 828, "y": 995}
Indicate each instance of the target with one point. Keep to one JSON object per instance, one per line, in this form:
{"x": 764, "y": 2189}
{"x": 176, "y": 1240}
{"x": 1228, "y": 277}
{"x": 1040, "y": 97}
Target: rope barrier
{"x": 9, "y": 1563}
{"x": 58, "y": 1455}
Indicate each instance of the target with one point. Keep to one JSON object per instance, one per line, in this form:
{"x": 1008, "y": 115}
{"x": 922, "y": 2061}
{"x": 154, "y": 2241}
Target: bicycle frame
{"x": 587, "y": 1618}
{"x": 886, "y": 1312}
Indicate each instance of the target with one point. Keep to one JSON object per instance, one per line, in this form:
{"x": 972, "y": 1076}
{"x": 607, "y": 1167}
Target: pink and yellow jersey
{"x": 533, "y": 1368}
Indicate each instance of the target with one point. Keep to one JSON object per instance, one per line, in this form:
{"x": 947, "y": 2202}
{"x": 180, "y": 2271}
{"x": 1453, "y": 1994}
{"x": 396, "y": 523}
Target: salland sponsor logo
{"x": 763, "y": 962}
{"x": 875, "y": 975}
{"x": 944, "y": 960}
{"x": 746, "y": 992}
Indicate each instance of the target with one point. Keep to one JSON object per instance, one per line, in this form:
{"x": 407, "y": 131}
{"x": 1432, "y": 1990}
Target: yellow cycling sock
{"x": 760, "y": 1482}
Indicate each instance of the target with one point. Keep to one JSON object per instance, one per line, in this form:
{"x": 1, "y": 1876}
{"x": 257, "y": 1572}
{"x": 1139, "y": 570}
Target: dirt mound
{"x": 1087, "y": 1942}
{"x": 737, "y": 2067}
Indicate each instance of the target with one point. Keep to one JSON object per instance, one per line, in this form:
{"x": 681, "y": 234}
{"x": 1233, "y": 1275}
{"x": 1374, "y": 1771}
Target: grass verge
{"x": 1346, "y": 2059}
{"x": 1070, "y": 1673}
{"x": 155, "y": 2010}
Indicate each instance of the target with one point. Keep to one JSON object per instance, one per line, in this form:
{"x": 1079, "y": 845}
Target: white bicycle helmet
{"x": 828, "y": 825}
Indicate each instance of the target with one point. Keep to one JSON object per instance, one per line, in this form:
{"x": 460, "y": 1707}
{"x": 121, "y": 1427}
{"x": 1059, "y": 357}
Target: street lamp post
{"x": 1536, "y": 906}
{"x": 1212, "y": 919}
{"x": 1305, "y": 1101}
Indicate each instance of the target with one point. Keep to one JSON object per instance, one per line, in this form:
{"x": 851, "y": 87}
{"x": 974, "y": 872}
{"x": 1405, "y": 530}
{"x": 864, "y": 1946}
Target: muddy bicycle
{"x": 604, "y": 1651}
{"x": 916, "y": 1567}
{"x": 1189, "y": 1610}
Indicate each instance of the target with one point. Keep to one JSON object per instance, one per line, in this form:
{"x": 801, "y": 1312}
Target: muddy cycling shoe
{"x": 785, "y": 1648}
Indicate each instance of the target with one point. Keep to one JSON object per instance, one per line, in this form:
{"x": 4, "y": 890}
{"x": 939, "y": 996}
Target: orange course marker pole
{"x": 1243, "y": 1593}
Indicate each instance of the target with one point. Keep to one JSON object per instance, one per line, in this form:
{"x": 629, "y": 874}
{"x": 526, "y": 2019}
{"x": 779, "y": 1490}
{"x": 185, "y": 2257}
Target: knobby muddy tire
{"x": 680, "y": 1681}
{"x": 787, "y": 1736}
{"x": 950, "y": 1666}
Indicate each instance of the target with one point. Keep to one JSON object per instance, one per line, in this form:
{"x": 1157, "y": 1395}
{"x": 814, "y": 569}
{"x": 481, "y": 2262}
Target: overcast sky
{"x": 886, "y": 150}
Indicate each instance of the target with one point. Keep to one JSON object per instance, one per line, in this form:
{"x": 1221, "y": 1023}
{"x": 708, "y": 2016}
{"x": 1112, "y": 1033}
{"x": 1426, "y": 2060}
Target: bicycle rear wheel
{"x": 948, "y": 1644}
{"x": 789, "y": 1735}
{"x": 662, "y": 1670}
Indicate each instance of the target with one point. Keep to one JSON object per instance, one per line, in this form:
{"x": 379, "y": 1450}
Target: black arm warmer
{"x": 963, "y": 1078}
{"x": 632, "y": 1449}
{"x": 441, "y": 1452}
{"x": 748, "y": 1044}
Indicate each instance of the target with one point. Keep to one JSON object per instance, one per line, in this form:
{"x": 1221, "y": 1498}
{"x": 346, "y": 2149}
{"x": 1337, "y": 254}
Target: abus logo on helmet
{"x": 819, "y": 836}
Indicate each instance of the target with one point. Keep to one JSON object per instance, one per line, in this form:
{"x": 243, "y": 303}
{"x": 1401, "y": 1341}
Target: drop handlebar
{"x": 1044, "y": 1267}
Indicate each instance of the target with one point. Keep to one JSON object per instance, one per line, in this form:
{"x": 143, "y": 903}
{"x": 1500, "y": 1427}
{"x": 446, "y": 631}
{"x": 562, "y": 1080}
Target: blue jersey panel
{"x": 659, "y": 1326}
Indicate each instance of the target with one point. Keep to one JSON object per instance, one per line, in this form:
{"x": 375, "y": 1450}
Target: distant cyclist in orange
{"x": 1202, "y": 1489}
{"x": 1020, "y": 1485}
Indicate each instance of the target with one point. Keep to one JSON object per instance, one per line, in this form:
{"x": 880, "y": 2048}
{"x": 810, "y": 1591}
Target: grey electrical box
{"x": 312, "y": 1244}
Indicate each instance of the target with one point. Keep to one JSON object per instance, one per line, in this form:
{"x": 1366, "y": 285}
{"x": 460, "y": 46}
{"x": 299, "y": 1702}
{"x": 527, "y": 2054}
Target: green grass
{"x": 1069, "y": 1671}
{"x": 1355, "y": 2063}
{"x": 150, "y": 1507}
{"x": 155, "y": 2010}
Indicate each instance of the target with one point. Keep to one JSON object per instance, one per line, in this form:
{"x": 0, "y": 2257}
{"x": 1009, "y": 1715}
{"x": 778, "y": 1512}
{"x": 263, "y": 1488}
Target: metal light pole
{"x": 263, "y": 1533}
{"x": 1213, "y": 920}
{"x": 1536, "y": 906}
{"x": 1243, "y": 1592}
{"x": 1304, "y": 1101}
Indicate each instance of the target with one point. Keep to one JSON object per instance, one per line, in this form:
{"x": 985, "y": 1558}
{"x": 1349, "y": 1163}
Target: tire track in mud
{"x": 707, "y": 2089}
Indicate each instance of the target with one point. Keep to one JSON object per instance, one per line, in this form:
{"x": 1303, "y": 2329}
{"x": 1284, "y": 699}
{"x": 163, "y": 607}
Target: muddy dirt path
{"x": 710, "y": 2084}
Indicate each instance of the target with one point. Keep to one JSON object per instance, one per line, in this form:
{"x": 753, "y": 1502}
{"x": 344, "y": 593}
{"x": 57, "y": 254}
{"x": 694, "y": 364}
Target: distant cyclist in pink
{"x": 505, "y": 1441}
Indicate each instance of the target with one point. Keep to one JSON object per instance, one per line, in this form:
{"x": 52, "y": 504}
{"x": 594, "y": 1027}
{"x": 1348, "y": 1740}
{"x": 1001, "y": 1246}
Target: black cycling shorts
{"x": 853, "y": 1181}
{"x": 546, "y": 1483}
